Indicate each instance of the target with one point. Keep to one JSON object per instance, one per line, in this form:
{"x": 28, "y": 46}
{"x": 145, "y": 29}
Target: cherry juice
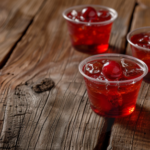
{"x": 112, "y": 99}
{"x": 90, "y": 29}
{"x": 142, "y": 40}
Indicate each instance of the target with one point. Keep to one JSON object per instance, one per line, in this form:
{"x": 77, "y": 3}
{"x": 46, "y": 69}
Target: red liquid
{"x": 92, "y": 39}
{"x": 112, "y": 100}
{"x": 142, "y": 40}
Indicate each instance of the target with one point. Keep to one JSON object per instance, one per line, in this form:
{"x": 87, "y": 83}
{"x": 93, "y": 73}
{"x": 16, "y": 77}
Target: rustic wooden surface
{"x": 144, "y": 3}
{"x": 38, "y": 49}
{"x": 15, "y": 16}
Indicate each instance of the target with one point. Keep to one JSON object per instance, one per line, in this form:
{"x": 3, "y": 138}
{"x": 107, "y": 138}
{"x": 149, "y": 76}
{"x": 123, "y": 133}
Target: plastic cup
{"x": 90, "y": 37}
{"x": 139, "y": 51}
{"x": 113, "y": 98}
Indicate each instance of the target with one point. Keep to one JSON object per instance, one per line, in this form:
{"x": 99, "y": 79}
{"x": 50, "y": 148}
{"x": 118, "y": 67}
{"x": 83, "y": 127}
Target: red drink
{"x": 90, "y": 27}
{"x": 139, "y": 40}
{"x": 113, "y": 82}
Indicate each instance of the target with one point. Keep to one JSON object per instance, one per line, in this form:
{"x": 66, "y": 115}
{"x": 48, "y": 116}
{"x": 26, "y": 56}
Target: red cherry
{"x": 89, "y": 13}
{"x": 112, "y": 70}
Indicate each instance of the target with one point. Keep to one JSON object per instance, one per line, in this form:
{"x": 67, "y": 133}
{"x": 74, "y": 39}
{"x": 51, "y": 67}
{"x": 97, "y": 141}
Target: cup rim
{"x": 91, "y": 23}
{"x": 82, "y": 63}
{"x": 137, "y": 46}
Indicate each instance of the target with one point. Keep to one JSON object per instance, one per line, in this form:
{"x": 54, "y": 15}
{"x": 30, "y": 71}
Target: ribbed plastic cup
{"x": 113, "y": 98}
{"x": 139, "y": 51}
{"x": 90, "y": 37}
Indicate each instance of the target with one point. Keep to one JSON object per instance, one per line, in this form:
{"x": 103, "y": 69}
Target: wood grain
{"x": 144, "y": 3}
{"x": 15, "y": 16}
{"x": 60, "y": 118}
{"x": 132, "y": 132}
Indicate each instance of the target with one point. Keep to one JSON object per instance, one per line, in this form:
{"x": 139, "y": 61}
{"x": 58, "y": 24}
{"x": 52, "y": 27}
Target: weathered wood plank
{"x": 132, "y": 132}
{"x": 15, "y": 16}
{"x": 121, "y": 25}
{"x": 60, "y": 118}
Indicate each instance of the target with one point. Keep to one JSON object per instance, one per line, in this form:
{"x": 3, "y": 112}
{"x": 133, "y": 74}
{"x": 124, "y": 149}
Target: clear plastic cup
{"x": 113, "y": 98}
{"x": 90, "y": 37}
{"x": 139, "y": 51}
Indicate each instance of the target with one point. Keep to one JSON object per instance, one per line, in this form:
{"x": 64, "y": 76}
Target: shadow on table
{"x": 138, "y": 121}
{"x": 113, "y": 49}
{"x": 103, "y": 139}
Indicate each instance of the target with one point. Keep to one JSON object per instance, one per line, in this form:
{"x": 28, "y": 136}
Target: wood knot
{"x": 45, "y": 85}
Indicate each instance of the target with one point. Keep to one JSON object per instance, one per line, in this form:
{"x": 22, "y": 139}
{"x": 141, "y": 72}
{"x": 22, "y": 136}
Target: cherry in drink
{"x": 139, "y": 40}
{"x": 90, "y": 27}
{"x": 113, "y": 83}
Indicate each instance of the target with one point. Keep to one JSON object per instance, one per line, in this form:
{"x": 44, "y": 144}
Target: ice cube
{"x": 77, "y": 20}
{"x": 89, "y": 68}
{"x": 142, "y": 41}
{"x": 93, "y": 67}
{"x": 99, "y": 14}
{"x": 128, "y": 65}
{"x": 82, "y": 18}
{"x": 102, "y": 77}
{"x": 105, "y": 61}
{"x": 74, "y": 13}
{"x": 123, "y": 63}
{"x": 132, "y": 72}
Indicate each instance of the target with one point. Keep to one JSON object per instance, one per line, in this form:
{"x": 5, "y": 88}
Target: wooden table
{"x": 35, "y": 47}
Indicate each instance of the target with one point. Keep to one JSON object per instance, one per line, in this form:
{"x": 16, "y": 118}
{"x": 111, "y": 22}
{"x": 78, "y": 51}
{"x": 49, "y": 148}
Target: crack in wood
{"x": 130, "y": 24}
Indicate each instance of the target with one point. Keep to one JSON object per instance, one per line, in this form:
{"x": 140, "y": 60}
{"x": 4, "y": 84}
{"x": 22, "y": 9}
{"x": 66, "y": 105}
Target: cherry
{"x": 112, "y": 70}
{"x": 89, "y": 13}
